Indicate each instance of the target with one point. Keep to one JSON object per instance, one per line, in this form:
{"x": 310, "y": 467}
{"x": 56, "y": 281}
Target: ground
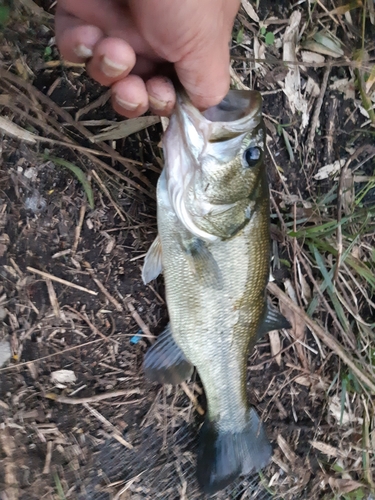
{"x": 100, "y": 430}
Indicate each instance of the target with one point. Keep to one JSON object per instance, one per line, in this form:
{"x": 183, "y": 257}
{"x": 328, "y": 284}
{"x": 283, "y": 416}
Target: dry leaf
{"x": 249, "y": 9}
{"x": 110, "y": 245}
{"x": 275, "y": 344}
{"x": 303, "y": 380}
{"x": 125, "y": 128}
{"x": 13, "y": 130}
{"x": 342, "y": 486}
{"x": 327, "y": 449}
{"x": 312, "y": 57}
{"x": 259, "y": 53}
{"x": 286, "y": 449}
{"x": 312, "y": 88}
{"x": 329, "y": 170}
{"x": 305, "y": 288}
{"x": 298, "y": 324}
{"x": 292, "y": 87}
{"x": 344, "y": 417}
{"x": 347, "y": 87}
{"x": 348, "y": 192}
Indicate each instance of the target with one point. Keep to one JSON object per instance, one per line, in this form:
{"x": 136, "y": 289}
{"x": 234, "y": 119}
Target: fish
{"x": 213, "y": 248}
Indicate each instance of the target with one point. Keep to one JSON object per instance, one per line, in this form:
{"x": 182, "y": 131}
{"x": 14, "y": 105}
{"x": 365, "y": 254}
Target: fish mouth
{"x": 238, "y": 113}
{"x": 236, "y": 104}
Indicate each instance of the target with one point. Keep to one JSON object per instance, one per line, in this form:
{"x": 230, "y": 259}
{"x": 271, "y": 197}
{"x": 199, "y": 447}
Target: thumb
{"x": 204, "y": 73}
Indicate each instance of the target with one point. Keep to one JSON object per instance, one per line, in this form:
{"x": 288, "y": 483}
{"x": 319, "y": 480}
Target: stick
{"x": 102, "y": 288}
{"x": 192, "y": 398}
{"x": 60, "y": 280}
{"x": 142, "y": 325}
{"x": 107, "y": 193}
{"x": 318, "y": 107}
{"x": 53, "y": 298}
{"x": 79, "y": 228}
{"x": 115, "y": 432}
{"x": 47, "y": 463}
{"x": 92, "y": 399}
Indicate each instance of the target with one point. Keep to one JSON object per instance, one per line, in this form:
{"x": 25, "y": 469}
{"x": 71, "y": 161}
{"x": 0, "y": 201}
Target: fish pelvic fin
{"x": 223, "y": 456}
{"x": 273, "y": 320}
{"x": 165, "y": 363}
{"x": 152, "y": 266}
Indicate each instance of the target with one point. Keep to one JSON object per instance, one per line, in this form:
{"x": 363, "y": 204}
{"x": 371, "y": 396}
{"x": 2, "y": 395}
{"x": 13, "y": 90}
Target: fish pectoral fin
{"x": 273, "y": 320}
{"x": 203, "y": 264}
{"x": 223, "y": 456}
{"x": 220, "y": 209}
{"x": 152, "y": 265}
{"x": 165, "y": 362}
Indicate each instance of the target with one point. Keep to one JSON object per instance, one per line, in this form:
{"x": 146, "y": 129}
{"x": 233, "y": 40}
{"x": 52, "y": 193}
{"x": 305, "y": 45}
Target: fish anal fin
{"x": 152, "y": 266}
{"x": 273, "y": 320}
{"x": 165, "y": 362}
{"x": 223, "y": 456}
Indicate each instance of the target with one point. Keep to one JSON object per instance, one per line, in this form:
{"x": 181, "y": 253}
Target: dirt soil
{"x": 108, "y": 433}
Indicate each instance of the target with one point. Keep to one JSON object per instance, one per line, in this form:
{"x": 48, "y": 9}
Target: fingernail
{"x": 130, "y": 106}
{"x": 157, "y": 104}
{"x": 83, "y": 51}
{"x": 111, "y": 68}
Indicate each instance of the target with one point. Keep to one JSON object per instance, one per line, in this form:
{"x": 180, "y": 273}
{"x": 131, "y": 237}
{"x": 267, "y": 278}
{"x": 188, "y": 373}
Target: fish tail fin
{"x": 223, "y": 456}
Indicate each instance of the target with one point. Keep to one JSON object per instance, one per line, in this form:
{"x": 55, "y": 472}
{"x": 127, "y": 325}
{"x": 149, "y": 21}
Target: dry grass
{"x": 106, "y": 433}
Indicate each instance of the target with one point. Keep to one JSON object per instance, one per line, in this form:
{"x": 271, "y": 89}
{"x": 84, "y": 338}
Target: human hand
{"x": 131, "y": 45}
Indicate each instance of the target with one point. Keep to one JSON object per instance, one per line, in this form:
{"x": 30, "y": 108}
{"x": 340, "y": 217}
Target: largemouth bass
{"x": 213, "y": 247}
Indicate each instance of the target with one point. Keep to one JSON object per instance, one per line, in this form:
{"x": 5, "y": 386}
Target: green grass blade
{"x": 81, "y": 176}
{"x": 59, "y": 487}
{"x": 332, "y": 292}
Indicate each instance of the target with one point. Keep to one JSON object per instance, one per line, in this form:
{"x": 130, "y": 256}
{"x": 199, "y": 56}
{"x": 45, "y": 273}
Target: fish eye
{"x": 252, "y": 155}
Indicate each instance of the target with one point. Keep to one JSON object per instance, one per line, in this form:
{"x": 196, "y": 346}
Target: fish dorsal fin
{"x": 273, "y": 320}
{"x": 203, "y": 264}
{"x": 152, "y": 265}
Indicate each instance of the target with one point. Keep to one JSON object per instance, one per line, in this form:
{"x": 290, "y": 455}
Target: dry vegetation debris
{"x": 77, "y": 215}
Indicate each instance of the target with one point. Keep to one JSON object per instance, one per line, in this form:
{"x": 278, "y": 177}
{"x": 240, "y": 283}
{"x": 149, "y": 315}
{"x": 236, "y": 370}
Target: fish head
{"x": 214, "y": 163}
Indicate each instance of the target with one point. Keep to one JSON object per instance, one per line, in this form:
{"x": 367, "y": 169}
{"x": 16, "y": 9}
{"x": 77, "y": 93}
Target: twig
{"x": 92, "y": 399}
{"x": 84, "y": 318}
{"x": 108, "y": 195}
{"x": 142, "y": 325}
{"x": 331, "y": 126}
{"x": 192, "y": 398}
{"x": 16, "y": 267}
{"x": 326, "y": 337}
{"x": 115, "y": 432}
{"x": 318, "y": 107}
{"x": 102, "y": 288}
{"x": 47, "y": 463}
{"x": 79, "y": 227}
{"x": 100, "y": 101}
{"x": 53, "y": 298}
{"x": 60, "y": 280}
